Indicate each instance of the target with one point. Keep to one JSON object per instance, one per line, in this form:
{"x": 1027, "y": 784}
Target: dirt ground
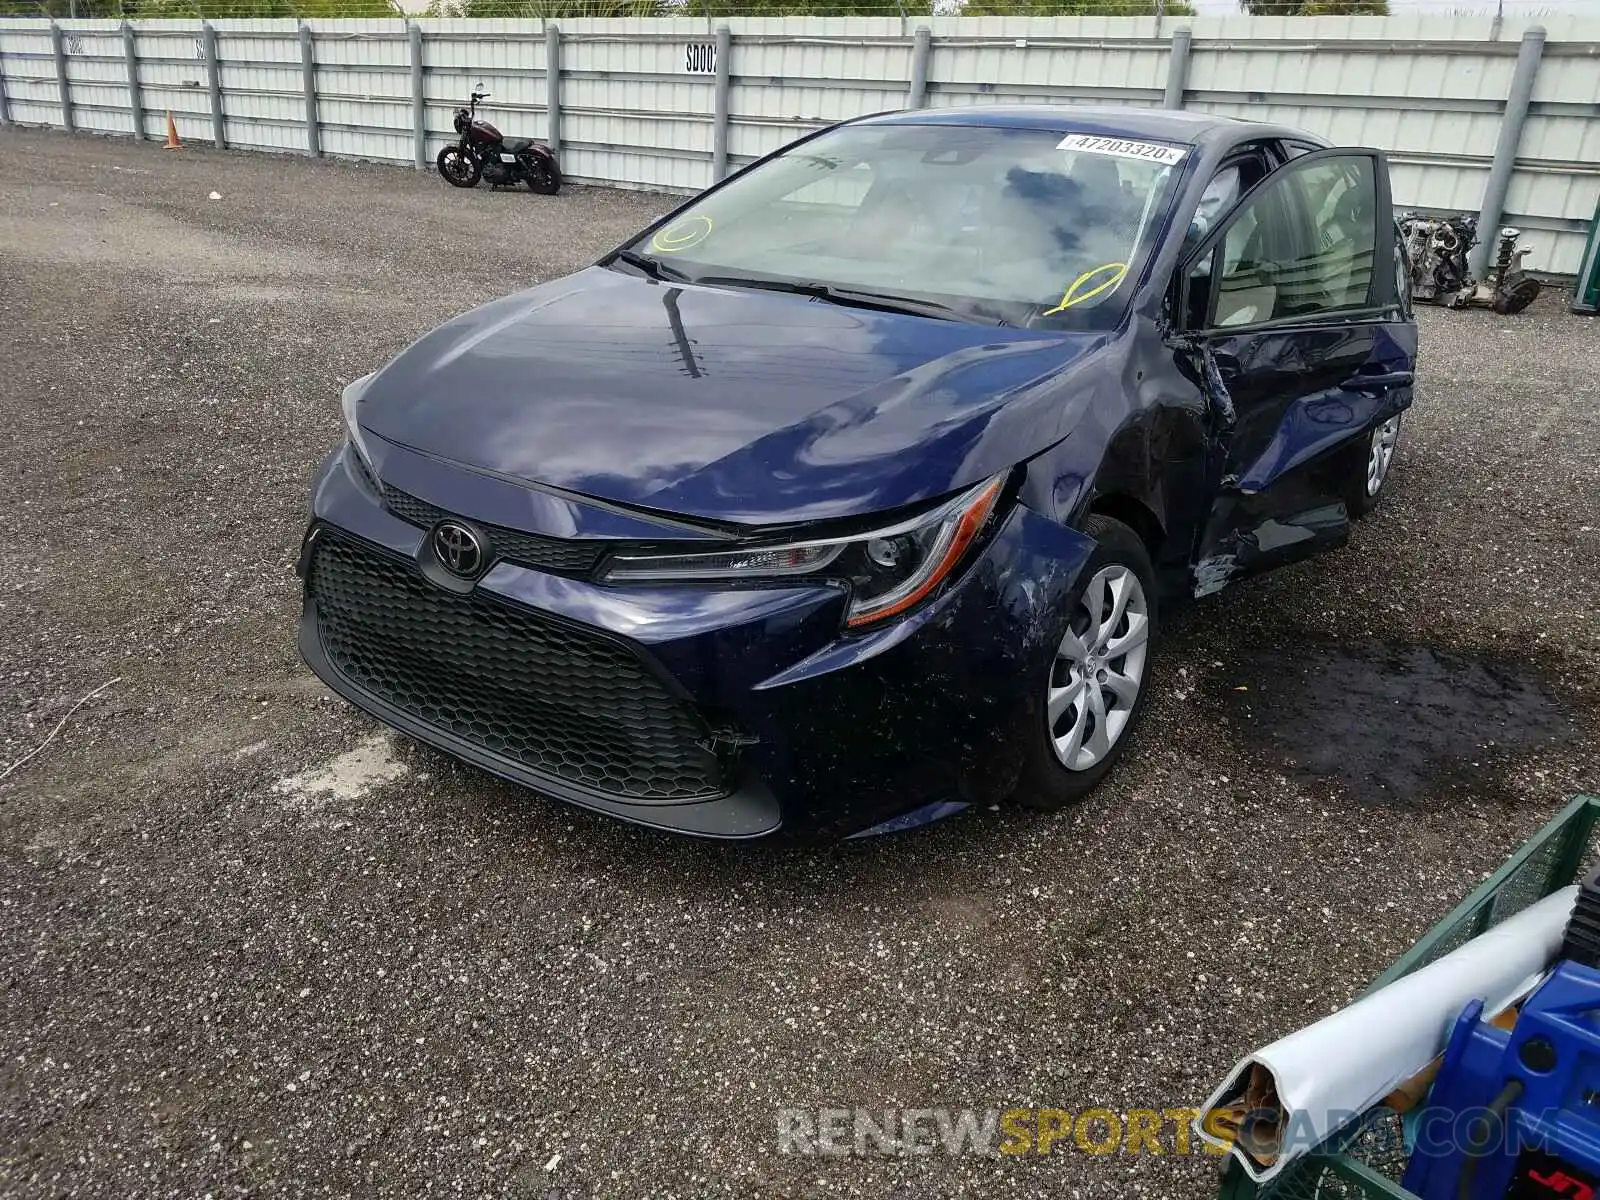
{"x": 252, "y": 945}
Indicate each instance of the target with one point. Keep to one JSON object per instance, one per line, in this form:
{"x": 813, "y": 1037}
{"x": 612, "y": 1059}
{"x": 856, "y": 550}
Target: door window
{"x": 1303, "y": 245}
{"x": 1233, "y": 179}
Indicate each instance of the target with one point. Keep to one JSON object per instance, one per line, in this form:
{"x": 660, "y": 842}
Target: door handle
{"x": 1361, "y": 382}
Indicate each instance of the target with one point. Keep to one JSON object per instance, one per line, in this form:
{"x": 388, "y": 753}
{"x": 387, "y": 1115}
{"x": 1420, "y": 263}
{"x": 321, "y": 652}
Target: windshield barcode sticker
{"x": 1154, "y": 152}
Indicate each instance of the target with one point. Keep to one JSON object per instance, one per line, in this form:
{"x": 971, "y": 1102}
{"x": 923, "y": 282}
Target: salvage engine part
{"x": 1436, "y": 253}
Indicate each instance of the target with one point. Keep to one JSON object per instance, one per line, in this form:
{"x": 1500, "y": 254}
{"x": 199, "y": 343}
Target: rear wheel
{"x": 544, "y": 177}
{"x": 458, "y": 168}
{"x": 1097, "y": 679}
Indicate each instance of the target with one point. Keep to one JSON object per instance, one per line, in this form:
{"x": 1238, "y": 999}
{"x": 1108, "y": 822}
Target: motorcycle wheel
{"x": 543, "y": 176}
{"x": 458, "y": 168}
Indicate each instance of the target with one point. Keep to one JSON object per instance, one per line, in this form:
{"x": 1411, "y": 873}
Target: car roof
{"x": 1161, "y": 124}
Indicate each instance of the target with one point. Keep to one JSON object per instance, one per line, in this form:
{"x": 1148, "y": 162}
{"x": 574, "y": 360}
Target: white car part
{"x": 1288, "y": 1098}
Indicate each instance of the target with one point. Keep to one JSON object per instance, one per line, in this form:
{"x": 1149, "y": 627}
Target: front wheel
{"x": 544, "y": 177}
{"x": 1095, "y": 685}
{"x": 1370, "y": 460}
{"x": 458, "y": 168}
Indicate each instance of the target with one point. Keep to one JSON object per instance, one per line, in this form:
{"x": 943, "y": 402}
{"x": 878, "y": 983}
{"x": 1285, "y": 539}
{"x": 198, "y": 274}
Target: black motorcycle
{"x": 483, "y": 154}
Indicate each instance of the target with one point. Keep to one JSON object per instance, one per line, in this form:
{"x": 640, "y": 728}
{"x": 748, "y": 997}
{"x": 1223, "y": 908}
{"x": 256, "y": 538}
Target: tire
{"x": 1517, "y": 297}
{"x": 458, "y": 168}
{"x": 1365, "y": 478}
{"x": 1048, "y": 783}
{"x": 544, "y": 176}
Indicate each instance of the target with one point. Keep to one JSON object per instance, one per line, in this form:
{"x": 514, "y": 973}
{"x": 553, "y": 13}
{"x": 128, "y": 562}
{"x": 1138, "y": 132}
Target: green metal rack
{"x": 1586, "y": 292}
{"x": 1367, "y": 1161}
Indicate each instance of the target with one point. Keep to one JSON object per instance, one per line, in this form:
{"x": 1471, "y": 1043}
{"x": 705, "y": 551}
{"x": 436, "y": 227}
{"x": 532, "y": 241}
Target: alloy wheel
{"x": 1381, "y": 453}
{"x": 1099, "y": 669}
{"x": 457, "y": 165}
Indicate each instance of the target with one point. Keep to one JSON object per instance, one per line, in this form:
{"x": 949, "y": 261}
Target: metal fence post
{"x": 5, "y": 107}
{"x": 719, "y": 109}
{"x": 1505, "y": 147}
{"x": 61, "y": 78}
{"x": 308, "y": 84}
{"x": 130, "y": 56}
{"x": 1178, "y": 68}
{"x": 214, "y": 80}
{"x": 921, "y": 51}
{"x": 552, "y": 83}
{"x": 419, "y": 106}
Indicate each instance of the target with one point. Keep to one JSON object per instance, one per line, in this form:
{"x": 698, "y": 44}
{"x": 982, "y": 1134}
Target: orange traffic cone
{"x": 172, "y": 134}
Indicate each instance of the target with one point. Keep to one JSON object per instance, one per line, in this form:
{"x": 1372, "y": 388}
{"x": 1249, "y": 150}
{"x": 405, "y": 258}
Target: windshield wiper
{"x": 652, "y": 267}
{"x": 916, "y": 305}
{"x": 857, "y": 298}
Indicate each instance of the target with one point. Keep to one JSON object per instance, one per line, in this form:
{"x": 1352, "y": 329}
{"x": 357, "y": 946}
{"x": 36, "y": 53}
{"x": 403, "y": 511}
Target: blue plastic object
{"x": 1515, "y": 1114}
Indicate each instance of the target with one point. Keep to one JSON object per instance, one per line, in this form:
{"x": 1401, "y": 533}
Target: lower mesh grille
{"x": 529, "y": 549}
{"x": 549, "y": 696}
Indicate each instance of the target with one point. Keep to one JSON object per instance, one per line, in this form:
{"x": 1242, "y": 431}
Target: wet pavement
{"x": 1391, "y": 722}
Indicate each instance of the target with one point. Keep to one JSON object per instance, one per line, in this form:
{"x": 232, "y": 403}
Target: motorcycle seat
{"x": 515, "y": 145}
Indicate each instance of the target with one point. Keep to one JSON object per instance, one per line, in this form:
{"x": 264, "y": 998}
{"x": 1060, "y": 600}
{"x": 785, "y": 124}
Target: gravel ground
{"x": 252, "y": 945}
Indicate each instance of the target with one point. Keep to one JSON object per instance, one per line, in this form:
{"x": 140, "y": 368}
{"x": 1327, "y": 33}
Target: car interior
{"x": 1303, "y": 246}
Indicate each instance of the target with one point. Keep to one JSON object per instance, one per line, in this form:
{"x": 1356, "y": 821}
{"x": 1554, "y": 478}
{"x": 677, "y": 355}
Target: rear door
{"x": 1290, "y": 313}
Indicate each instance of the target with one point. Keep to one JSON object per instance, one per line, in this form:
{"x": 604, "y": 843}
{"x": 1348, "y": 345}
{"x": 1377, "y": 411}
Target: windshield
{"x": 1019, "y": 226}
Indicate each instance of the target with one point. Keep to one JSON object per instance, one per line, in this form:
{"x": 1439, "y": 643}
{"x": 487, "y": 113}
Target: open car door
{"x": 1294, "y": 314}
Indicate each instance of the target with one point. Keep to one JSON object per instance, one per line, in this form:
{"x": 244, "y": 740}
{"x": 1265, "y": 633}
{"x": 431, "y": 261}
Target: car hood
{"x": 732, "y": 405}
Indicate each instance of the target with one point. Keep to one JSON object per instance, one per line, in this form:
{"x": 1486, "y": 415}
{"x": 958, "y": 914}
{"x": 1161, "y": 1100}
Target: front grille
{"x": 530, "y": 550}
{"x": 552, "y": 697}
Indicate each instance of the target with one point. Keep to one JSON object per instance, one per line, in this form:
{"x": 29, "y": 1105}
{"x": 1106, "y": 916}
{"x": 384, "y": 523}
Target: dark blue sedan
{"x": 853, "y": 490}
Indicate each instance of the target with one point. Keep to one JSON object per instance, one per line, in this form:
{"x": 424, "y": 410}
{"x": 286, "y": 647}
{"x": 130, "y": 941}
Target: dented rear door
{"x": 1302, "y": 344}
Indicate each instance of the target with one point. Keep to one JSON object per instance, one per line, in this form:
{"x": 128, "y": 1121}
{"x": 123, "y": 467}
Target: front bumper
{"x": 816, "y": 734}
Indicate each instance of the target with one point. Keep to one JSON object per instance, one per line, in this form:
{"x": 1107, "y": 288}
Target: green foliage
{"x": 557, "y": 9}
{"x": 328, "y": 9}
{"x": 1316, "y": 8}
{"x": 1075, "y": 8}
{"x": 1347, "y": 8}
{"x": 802, "y": 8}
{"x": 553, "y": 10}
{"x": 136, "y": 10}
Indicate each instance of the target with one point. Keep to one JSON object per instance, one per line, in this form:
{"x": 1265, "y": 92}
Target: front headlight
{"x": 352, "y": 427}
{"x": 889, "y": 570}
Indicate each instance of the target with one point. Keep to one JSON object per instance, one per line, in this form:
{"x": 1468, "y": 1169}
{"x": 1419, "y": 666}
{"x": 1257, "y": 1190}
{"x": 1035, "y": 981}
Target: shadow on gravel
{"x": 1389, "y": 722}
{"x": 674, "y": 865}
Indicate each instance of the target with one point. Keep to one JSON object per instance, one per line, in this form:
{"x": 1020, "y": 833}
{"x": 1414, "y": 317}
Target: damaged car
{"x": 854, "y": 490}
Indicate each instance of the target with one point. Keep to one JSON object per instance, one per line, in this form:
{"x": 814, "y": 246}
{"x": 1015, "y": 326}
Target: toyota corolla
{"x": 854, "y": 489}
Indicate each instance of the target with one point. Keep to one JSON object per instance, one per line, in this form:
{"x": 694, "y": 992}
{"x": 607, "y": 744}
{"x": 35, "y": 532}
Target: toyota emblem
{"x": 459, "y": 550}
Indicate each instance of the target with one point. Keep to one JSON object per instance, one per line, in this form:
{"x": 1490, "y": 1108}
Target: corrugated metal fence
{"x": 669, "y": 103}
